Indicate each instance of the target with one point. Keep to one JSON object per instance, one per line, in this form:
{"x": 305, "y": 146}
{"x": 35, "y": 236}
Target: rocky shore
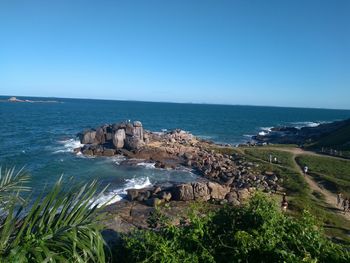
{"x": 304, "y": 135}
{"x": 226, "y": 178}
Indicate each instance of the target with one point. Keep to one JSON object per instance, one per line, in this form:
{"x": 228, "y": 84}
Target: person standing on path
{"x": 339, "y": 199}
{"x": 284, "y": 203}
{"x": 346, "y": 205}
{"x": 306, "y": 169}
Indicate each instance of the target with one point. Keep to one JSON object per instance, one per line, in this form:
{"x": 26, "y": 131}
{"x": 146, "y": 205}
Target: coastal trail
{"x": 329, "y": 198}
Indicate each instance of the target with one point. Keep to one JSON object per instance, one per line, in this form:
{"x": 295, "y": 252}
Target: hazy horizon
{"x": 148, "y": 101}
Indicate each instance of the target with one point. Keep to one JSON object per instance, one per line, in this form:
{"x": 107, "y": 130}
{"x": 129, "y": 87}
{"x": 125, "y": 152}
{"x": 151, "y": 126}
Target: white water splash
{"x": 118, "y": 194}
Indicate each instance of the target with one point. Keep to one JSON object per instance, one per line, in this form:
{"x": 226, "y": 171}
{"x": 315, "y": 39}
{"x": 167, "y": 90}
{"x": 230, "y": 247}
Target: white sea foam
{"x": 117, "y": 194}
{"x": 147, "y": 165}
{"x": 117, "y": 159}
{"x": 302, "y": 124}
{"x": 266, "y": 129}
{"x": 68, "y": 146}
{"x": 263, "y": 133}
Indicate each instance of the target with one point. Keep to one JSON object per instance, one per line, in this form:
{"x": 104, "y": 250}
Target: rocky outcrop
{"x": 119, "y": 138}
{"x": 87, "y": 137}
{"x": 292, "y": 135}
{"x": 183, "y": 192}
{"x": 226, "y": 178}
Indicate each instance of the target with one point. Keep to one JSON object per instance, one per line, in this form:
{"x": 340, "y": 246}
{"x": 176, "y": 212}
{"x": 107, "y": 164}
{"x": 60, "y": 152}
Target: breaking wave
{"x": 118, "y": 194}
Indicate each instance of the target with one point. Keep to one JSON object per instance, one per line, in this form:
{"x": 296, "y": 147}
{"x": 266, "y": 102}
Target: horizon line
{"x": 174, "y": 102}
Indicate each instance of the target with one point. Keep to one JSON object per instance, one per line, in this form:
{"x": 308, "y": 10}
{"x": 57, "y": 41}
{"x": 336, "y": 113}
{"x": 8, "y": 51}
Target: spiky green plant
{"x": 61, "y": 226}
{"x": 12, "y": 183}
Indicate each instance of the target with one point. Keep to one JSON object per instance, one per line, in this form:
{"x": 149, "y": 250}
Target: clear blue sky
{"x": 287, "y": 53}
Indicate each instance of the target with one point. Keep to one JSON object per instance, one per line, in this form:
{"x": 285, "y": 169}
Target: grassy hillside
{"x": 300, "y": 195}
{"x": 338, "y": 140}
{"x": 332, "y": 173}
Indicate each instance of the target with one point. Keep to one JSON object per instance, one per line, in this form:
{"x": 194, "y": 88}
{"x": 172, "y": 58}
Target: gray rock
{"x": 133, "y": 143}
{"x": 188, "y": 156}
{"x": 132, "y": 194}
{"x": 108, "y": 152}
{"x": 87, "y": 137}
{"x": 129, "y": 129}
{"x": 166, "y": 196}
{"x": 87, "y": 152}
{"x": 137, "y": 124}
{"x": 243, "y": 194}
{"x": 183, "y": 192}
{"x": 100, "y": 136}
{"x": 201, "y": 191}
{"x": 119, "y": 138}
{"x": 218, "y": 191}
{"x": 138, "y": 132}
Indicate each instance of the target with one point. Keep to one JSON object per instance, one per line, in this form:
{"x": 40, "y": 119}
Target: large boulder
{"x": 137, "y": 124}
{"x": 129, "y": 129}
{"x": 132, "y": 194}
{"x": 138, "y": 132}
{"x": 119, "y": 138}
{"x": 183, "y": 192}
{"x": 243, "y": 194}
{"x": 133, "y": 143}
{"x": 100, "y": 136}
{"x": 108, "y": 152}
{"x": 218, "y": 191}
{"x": 201, "y": 191}
{"x": 87, "y": 137}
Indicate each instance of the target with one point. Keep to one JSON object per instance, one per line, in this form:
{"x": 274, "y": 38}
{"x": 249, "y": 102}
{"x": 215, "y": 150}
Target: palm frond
{"x": 12, "y": 184}
{"x": 60, "y": 225}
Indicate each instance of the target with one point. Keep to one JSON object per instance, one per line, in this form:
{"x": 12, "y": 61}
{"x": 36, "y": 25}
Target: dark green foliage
{"x": 257, "y": 232}
{"x": 62, "y": 226}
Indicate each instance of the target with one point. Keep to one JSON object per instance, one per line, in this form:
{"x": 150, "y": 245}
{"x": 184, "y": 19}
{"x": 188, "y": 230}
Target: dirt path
{"x": 330, "y": 198}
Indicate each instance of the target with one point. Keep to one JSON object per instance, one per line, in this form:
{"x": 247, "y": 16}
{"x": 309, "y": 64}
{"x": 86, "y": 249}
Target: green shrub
{"x": 257, "y": 232}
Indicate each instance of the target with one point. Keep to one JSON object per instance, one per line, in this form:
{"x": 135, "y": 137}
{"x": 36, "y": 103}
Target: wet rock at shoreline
{"x": 228, "y": 178}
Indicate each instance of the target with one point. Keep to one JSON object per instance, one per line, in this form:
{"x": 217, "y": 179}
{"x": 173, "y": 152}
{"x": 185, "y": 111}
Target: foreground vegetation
{"x": 301, "y": 197}
{"x": 257, "y": 232}
{"x": 65, "y": 226}
{"x": 62, "y": 226}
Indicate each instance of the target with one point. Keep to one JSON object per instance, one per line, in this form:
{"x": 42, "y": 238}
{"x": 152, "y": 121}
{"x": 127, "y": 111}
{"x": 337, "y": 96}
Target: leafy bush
{"x": 58, "y": 227}
{"x": 257, "y": 232}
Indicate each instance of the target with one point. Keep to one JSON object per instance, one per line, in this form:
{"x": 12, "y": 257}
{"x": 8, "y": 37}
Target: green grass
{"x": 299, "y": 194}
{"x": 332, "y": 173}
{"x": 339, "y": 139}
{"x": 283, "y": 158}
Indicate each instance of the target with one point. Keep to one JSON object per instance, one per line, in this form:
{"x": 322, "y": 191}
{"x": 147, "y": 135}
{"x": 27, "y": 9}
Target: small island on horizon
{"x": 15, "y": 100}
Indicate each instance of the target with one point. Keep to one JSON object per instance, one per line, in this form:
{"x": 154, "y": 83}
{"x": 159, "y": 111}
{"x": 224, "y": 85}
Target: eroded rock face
{"x": 100, "y": 136}
{"x": 201, "y": 191}
{"x": 119, "y": 138}
{"x": 183, "y": 192}
{"x": 87, "y": 137}
{"x": 133, "y": 143}
{"x": 218, "y": 191}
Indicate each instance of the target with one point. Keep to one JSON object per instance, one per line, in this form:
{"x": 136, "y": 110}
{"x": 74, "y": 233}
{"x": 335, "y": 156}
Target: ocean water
{"x": 41, "y": 136}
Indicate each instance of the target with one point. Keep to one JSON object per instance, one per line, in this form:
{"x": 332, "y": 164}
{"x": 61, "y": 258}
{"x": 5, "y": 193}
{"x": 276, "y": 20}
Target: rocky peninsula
{"x": 302, "y": 136}
{"x": 226, "y": 178}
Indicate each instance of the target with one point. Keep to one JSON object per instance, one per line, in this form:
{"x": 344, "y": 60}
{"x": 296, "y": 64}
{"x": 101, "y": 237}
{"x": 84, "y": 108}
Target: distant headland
{"x": 15, "y": 100}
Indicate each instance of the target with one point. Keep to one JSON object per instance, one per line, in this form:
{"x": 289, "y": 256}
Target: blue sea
{"x": 41, "y": 136}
